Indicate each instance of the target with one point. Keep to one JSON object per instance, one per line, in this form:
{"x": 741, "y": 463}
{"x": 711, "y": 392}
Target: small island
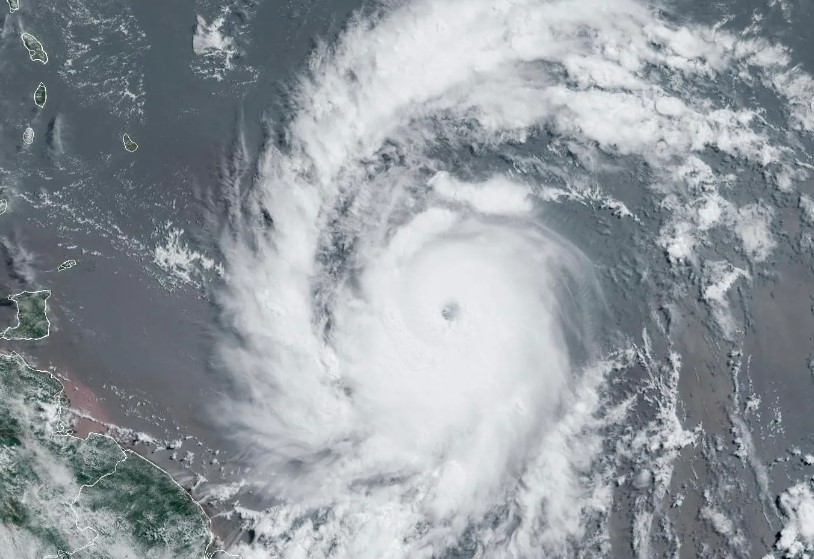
{"x": 28, "y": 136}
{"x": 13, "y": 5}
{"x": 35, "y": 50}
{"x": 40, "y": 95}
{"x": 32, "y": 316}
{"x": 66, "y": 265}
{"x": 129, "y": 144}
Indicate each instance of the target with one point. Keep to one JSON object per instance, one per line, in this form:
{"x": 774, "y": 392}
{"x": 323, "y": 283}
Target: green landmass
{"x": 62, "y": 496}
{"x": 40, "y": 95}
{"x": 129, "y": 144}
{"x": 66, "y": 265}
{"x": 34, "y": 47}
{"x": 32, "y": 316}
{"x": 28, "y": 136}
{"x": 13, "y": 5}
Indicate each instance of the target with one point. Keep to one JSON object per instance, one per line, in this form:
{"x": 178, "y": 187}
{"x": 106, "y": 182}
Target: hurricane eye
{"x": 450, "y": 311}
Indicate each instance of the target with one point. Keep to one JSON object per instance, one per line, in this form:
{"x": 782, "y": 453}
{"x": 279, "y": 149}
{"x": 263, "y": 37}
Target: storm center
{"x": 450, "y": 311}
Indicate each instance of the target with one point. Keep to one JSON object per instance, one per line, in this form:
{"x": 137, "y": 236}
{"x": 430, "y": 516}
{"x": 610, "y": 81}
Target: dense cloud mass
{"x": 421, "y": 363}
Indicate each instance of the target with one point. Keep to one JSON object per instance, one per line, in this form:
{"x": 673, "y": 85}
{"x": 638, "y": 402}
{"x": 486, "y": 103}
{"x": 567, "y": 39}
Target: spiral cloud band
{"x": 443, "y": 368}
{"x": 412, "y": 351}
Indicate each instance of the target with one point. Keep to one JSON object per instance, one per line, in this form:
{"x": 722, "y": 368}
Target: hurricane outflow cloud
{"x": 413, "y": 345}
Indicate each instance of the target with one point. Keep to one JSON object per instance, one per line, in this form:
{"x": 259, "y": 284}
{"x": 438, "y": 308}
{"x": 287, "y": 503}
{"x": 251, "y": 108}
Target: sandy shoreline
{"x": 88, "y": 409}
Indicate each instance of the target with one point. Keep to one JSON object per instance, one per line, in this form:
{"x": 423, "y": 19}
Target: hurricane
{"x": 424, "y": 360}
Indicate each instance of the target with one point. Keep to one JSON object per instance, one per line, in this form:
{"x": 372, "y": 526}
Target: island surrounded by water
{"x": 35, "y": 49}
{"x": 40, "y": 95}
